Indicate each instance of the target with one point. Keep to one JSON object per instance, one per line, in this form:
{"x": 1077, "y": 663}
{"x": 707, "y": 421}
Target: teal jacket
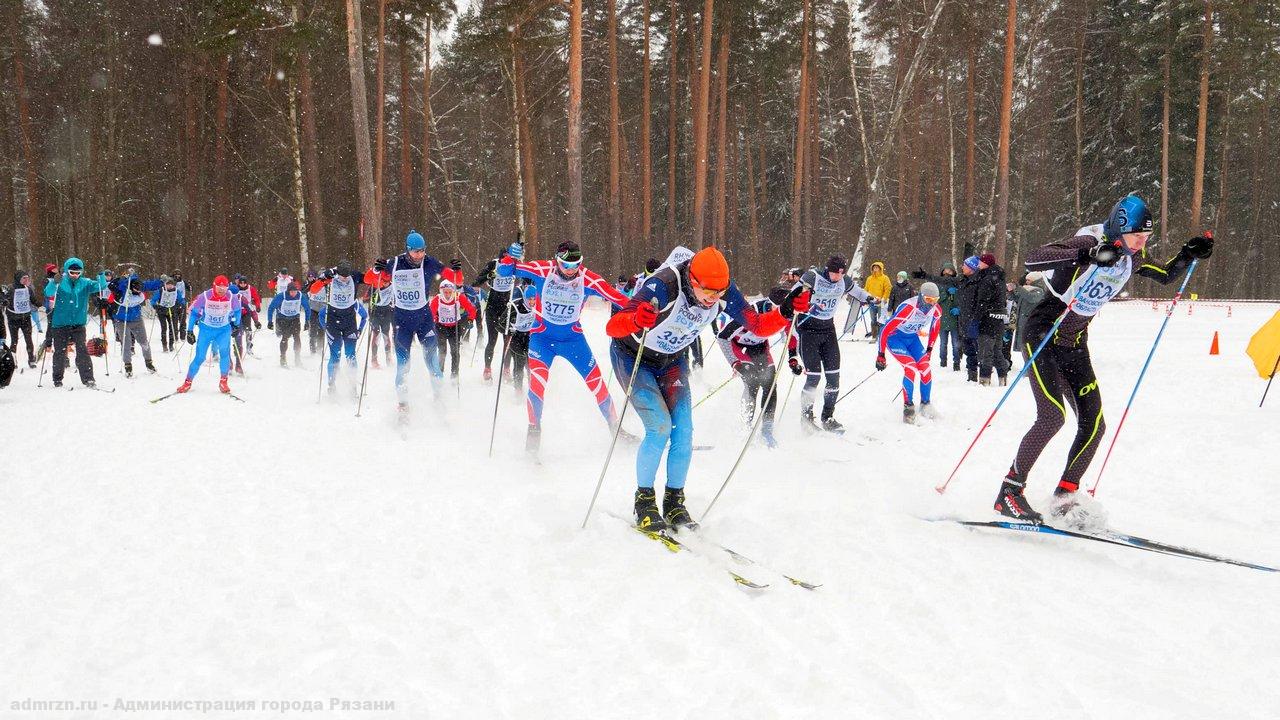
{"x": 71, "y": 298}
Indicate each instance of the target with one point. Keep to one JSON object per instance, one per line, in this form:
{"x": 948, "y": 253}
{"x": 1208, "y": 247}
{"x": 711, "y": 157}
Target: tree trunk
{"x": 425, "y": 217}
{"x": 574, "y": 150}
{"x": 722, "y": 71}
{"x": 971, "y": 143}
{"x": 299, "y": 207}
{"x": 870, "y": 222}
{"x": 380, "y": 103}
{"x": 753, "y": 210}
{"x": 221, "y": 194}
{"x": 700, "y": 127}
{"x": 672, "y": 126}
{"x": 527, "y": 153}
{"x": 951, "y": 169}
{"x": 360, "y": 122}
{"x": 646, "y": 139}
{"x": 191, "y": 148}
{"x": 406, "y": 157}
{"x": 857, "y": 99}
{"x": 1164, "y": 123}
{"x": 1197, "y": 190}
{"x": 802, "y": 129}
{"x": 26, "y": 138}
{"x": 1084, "y": 24}
{"x": 516, "y": 154}
{"x": 1006, "y": 112}
{"x": 615, "y": 158}
{"x": 310, "y": 150}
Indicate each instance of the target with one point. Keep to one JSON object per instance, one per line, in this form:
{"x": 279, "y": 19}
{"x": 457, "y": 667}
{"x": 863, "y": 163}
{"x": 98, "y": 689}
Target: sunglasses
{"x": 74, "y": 271}
{"x": 929, "y": 299}
{"x": 707, "y": 290}
{"x": 569, "y": 261}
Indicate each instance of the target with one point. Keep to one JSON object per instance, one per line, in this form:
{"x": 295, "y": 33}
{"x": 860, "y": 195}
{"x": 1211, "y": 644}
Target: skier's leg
{"x": 831, "y": 369}
{"x": 334, "y": 338}
{"x": 578, "y": 353}
{"x": 541, "y": 355}
{"x": 404, "y": 334}
{"x": 202, "y": 351}
{"x": 646, "y": 398}
{"x": 138, "y": 328}
{"x": 811, "y": 358}
{"x": 674, "y": 384}
{"x": 1077, "y": 371}
{"x": 1047, "y": 386}
{"x": 223, "y": 339}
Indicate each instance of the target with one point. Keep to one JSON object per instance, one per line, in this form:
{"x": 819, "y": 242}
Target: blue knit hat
{"x": 415, "y": 241}
{"x": 971, "y": 262}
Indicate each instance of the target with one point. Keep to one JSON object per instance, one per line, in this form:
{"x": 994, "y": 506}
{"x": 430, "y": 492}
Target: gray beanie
{"x": 929, "y": 290}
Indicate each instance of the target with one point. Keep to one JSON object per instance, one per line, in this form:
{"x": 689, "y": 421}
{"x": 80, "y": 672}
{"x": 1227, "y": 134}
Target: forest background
{"x": 235, "y": 136}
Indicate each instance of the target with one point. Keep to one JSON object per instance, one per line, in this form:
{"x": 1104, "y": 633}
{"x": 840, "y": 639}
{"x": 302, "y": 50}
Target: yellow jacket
{"x": 878, "y": 285}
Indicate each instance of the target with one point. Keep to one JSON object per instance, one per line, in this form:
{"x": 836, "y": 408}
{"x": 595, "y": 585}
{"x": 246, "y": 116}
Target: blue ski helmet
{"x": 415, "y": 241}
{"x": 1128, "y": 216}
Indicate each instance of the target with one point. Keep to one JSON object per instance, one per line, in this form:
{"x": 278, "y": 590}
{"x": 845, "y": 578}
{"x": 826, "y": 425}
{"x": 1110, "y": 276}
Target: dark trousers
{"x": 519, "y": 357}
{"x": 1063, "y": 377}
{"x": 450, "y": 337}
{"x": 495, "y": 317}
{"x": 61, "y": 337}
{"x": 20, "y": 324}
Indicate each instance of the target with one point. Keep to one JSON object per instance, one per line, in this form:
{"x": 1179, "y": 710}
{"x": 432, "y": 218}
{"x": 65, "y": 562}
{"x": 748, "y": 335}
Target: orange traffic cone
{"x": 1213, "y": 347}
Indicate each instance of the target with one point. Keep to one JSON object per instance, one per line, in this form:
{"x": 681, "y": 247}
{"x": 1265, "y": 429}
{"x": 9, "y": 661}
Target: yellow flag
{"x": 1195, "y": 296}
{"x": 1264, "y": 346}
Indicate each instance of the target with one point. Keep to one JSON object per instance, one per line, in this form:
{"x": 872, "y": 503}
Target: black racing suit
{"x": 1062, "y": 374}
{"x": 495, "y": 310}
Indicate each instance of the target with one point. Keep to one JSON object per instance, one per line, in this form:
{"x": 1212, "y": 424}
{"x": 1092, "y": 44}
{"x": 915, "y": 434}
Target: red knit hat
{"x": 221, "y": 280}
{"x": 987, "y": 259}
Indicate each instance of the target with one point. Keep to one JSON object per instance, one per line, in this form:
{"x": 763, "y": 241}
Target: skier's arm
{"x": 364, "y": 317}
{"x": 762, "y": 324}
{"x": 306, "y": 304}
{"x": 1060, "y": 255}
{"x": 273, "y": 307}
{"x": 858, "y": 294}
{"x": 623, "y": 323}
{"x": 1163, "y": 273}
{"x": 469, "y": 307}
{"x": 152, "y": 285}
{"x": 934, "y": 326}
{"x": 237, "y": 307}
{"x": 596, "y": 285}
{"x": 195, "y": 312}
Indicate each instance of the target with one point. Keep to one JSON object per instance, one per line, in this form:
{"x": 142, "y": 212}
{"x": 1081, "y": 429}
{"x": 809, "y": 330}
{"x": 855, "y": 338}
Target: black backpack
{"x": 7, "y": 365}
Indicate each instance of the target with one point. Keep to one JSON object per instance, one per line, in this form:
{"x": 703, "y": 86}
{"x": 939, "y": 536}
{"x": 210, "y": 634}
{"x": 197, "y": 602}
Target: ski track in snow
{"x": 283, "y": 549}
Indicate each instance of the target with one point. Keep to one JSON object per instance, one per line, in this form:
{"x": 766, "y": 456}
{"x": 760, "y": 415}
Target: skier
{"x": 129, "y": 291}
{"x": 180, "y": 310}
{"x": 339, "y": 316}
{"x": 520, "y": 319}
{"x": 1104, "y": 256}
{"x": 411, "y": 275}
{"x": 495, "y": 310}
{"x": 381, "y": 312}
{"x": 563, "y": 286}
{"x": 292, "y": 307}
{"x": 819, "y": 351}
{"x": 18, "y": 311}
{"x": 669, "y": 310}
{"x": 949, "y": 285}
{"x": 250, "y": 306}
{"x": 217, "y": 311}
{"x": 316, "y": 301}
{"x": 451, "y": 311}
{"x": 901, "y": 336}
{"x": 280, "y": 283}
{"x": 70, "y": 298}
{"x": 165, "y": 303}
{"x": 748, "y": 354}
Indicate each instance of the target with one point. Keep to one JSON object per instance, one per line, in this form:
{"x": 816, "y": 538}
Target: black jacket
{"x": 900, "y": 293}
{"x": 991, "y": 301}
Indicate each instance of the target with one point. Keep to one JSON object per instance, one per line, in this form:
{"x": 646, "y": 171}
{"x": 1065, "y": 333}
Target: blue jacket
{"x": 71, "y": 297}
{"x": 278, "y": 301}
{"x": 179, "y": 300}
{"x": 129, "y": 305}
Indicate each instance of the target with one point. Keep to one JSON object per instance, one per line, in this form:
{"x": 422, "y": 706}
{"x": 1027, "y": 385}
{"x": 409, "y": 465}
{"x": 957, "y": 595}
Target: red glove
{"x": 801, "y": 303}
{"x": 645, "y": 316}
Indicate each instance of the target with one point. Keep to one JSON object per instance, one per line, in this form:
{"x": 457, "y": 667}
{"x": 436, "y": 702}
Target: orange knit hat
{"x": 710, "y": 269}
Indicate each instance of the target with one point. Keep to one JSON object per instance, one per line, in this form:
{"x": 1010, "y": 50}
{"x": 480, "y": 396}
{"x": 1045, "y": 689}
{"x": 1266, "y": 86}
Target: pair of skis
{"x": 1112, "y": 537}
{"x": 233, "y": 396}
{"x": 698, "y": 545}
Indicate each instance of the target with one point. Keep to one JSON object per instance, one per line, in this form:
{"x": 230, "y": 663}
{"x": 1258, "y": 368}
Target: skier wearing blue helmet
{"x": 411, "y": 274}
{"x": 1104, "y": 256}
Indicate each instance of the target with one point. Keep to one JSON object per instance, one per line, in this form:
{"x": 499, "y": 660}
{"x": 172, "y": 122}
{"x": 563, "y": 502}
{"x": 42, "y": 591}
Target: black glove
{"x": 794, "y": 364}
{"x": 271, "y": 325}
{"x": 919, "y": 273}
{"x": 380, "y": 265}
{"x": 880, "y": 362}
{"x": 257, "y": 324}
{"x": 1104, "y": 254}
{"x": 1199, "y": 247}
{"x": 928, "y": 352}
{"x": 328, "y": 273}
{"x": 191, "y": 337}
{"x": 455, "y": 264}
{"x": 135, "y": 286}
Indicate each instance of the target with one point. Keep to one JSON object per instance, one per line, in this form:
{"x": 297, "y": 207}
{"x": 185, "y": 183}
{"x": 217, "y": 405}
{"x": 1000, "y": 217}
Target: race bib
{"x": 410, "y": 289}
{"x": 681, "y": 326}
{"x": 1105, "y": 284}
{"x": 825, "y": 297}
{"x": 21, "y": 300}
{"x": 562, "y": 299}
{"x": 131, "y": 300}
{"x": 918, "y": 321}
{"x": 503, "y": 284}
{"x": 447, "y": 313}
{"x": 217, "y": 313}
{"x": 168, "y": 298}
{"x": 525, "y": 321}
{"x": 291, "y": 308}
{"x": 342, "y": 295}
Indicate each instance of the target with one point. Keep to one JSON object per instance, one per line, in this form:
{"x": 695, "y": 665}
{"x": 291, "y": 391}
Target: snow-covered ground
{"x": 284, "y": 550}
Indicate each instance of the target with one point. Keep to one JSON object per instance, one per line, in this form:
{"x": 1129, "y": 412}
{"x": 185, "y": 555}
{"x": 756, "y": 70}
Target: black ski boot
{"x": 151, "y": 368}
{"x": 283, "y": 362}
{"x": 832, "y": 425}
{"x": 1012, "y": 504}
{"x": 909, "y": 413}
{"x": 128, "y": 370}
{"x": 973, "y": 376}
{"x": 1004, "y": 381}
{"x": 674, "y": 512}
{"x": 648, "y": 518}
{"x": 809, "y": 423}
{"x": 956, "y": 366}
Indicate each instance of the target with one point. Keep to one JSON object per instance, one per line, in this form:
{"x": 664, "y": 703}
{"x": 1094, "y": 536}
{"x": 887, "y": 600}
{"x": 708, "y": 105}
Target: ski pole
{"x": 626, "y": 403}
{"x": 44, "y": 354}
{"x": 718, "y": 389}
{"x": 755, "y": 426}
{"x": 106, "y": 354}
{"x": 368, "y": 350}
{"x": 1267, "y": 389}
{"x": 1141, "y": 373}
{"x": 1026, "y": 366}
{"x": 324, "y": 346}
{"x": 855, "y": 387}
{"x": 506, "y": 347}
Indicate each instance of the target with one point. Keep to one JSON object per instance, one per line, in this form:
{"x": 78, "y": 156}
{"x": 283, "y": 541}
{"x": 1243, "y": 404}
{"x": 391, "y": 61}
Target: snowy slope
{"x": 282, "y": 549}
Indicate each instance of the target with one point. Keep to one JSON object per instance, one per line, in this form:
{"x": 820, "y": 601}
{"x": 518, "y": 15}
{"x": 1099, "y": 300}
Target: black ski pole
{"x": 1269, "y": 379}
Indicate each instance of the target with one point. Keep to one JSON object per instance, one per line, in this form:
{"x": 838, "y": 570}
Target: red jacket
{"x": 451, "y": 308}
